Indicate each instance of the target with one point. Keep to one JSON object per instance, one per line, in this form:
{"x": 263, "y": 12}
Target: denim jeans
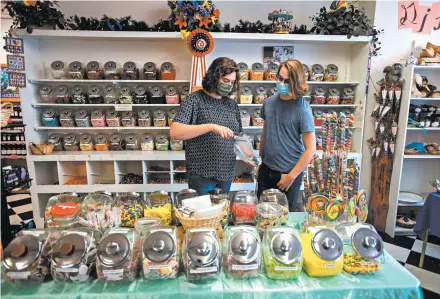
{"x": 204, "y": 185}
{"x": 268, "y": 179}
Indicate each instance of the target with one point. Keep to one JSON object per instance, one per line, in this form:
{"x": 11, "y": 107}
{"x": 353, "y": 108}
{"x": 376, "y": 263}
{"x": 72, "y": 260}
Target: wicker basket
{"x": 5, "y": 113}
{"x": 41, "y": 149}
{"x": 188, "y": 223}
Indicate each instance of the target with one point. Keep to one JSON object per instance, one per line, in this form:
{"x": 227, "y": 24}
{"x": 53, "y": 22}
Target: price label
{"x": 330, "y": 266}
{"x": 123, "y": 107}
{"x": 278, "y": 268}
{"x": 19, "y": 275}
{"x": 159, "y": 267}
{"x": 203, "y": 270}
{"x": 113, "y": 274}
{"x": 245, "y": 267}
{"x": 67, "y": 270}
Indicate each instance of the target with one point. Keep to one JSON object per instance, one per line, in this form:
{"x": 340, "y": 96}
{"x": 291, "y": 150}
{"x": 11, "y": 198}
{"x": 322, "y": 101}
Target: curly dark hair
{"x": 220, "y": 67}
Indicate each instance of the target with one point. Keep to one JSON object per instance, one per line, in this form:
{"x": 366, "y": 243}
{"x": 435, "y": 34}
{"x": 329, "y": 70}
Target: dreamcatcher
{"x": 200, "y": 43}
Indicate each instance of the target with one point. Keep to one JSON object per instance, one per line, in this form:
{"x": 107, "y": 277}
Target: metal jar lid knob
{"x": 329, "y": 243}
{"x": 66, "y": 248}
{"x": 112, "y": 248}
{"x": 204, "y": 248}
{"x": 286, "y": 246}
{"x": 369, "y": 242}
{"x": 158, "y": 245}
{"x": 18, "y": 250}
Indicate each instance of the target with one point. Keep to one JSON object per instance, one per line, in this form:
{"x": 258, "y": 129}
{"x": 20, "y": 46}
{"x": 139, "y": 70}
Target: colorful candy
{"x": 130, "y": 214}
{"x": 317, "y": 203}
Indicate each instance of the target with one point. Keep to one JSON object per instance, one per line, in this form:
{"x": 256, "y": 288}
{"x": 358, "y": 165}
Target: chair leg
{"x": 422, "y": 254}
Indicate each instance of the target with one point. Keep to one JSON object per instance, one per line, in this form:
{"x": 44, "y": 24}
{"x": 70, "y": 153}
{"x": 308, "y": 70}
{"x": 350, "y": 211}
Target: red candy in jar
{"x": 319, "y": 96}
{"x": 98, "y": 118}
{"x": 334, "y": 96}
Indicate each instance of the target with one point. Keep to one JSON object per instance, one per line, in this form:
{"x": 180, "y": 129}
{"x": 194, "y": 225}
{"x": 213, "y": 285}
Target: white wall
{"x": 5, "y": 23}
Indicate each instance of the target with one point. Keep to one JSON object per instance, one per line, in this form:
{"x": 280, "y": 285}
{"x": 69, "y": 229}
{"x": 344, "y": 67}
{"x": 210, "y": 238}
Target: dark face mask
{"x": 224, "y": 89}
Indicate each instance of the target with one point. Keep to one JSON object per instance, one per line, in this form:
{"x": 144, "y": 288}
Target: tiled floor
{"x": 406, "y": 250}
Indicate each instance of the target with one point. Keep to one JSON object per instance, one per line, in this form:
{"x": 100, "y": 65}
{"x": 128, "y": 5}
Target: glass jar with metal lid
{"x": 246, "y": 95}
{"x": 317, "y": 73}
{"x": 347, "y": 97}
{"x": 50, "y": 118}
{"x": 119, "y": 255}
{"x": 257, "y": 72}
{"x": 243, "y": 71}
{"x": 147, "y": 142}
{"x": 306, "y": 72}
{"x": 27, "y": 258}
{"x": 46, "y": 94}
{"x": 244, "y": 206}
{"x": 140, "y": 95}
{"x": 117, "y": 143}
{"x": 150, "y": 71}
{"x": 318, "y": 116}
{"x": 184, "y": 91}
{"x": 218, "y": 196}
{"x": 62, "y": 211}
{"x": 273, "y": 91}
{"x": 171, "y": 115}
{"x": 319, "y": 96}
{"x": 93, "y": 71}
{"x": 112, "y": 70}
{"x": 71, "y": 143}
{"x": 276, "y": 196}
{"x": 257, "y": 141}
{"x": 160, "y": 258}
{"x": 57, "y": 69}
{"x": 241, "y": 252}
{"x": 271, "y": 73}
{"x": 201, "y": 254}
{"x": 167, "y": 71}
{"x": 101, "y": 143}
{"x": 144, "y": 118}
{"x": 159, "y": 118}
{"x": 130, "y": 71}
{"x": 79, "y": 96}
{"x": 57, "y": 140}
{"x": 74, "y": 255}
{"x": 363, "y": 248}
{"x": 112, "y": 118}
{"x": 143, "y": 224}
{"x": 185, "y": 194}
{"x": 331, "y": 73}
{"x": 95, "y": 95}
{"x": 161, "y": 142}
{"x": 267, "y": 214}
{"x": 257, "y": 120}
{"x": 159, "y": 205}
{"x": 98, "y": 118}
{"x": 157, "y": 95}
{"x": 131, "y": 142}
{"x": 128, "y": 119}
{"x": 334, "y": 96}
{"x": 322, "y": 251}
{"x": 171, "y": 95}
{"x": 245, "y": 118}
{"x": 176, "y": 145}
{"x": 62, "y": 95}
{"x": 282, "y": 253}
{"x": 261, "y": 95}
{"x": 126, "y": 96}
{"x": 82, "y": 118}
{"x": 132, "y": 208}
{"x": 96, "y": 202}
{"x": 111, "y": 96}
{"x": 86, "y": 143}
{"x": 76, "y": 70}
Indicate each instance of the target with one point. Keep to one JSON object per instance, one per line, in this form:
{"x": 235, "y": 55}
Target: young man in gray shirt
{"x": 288, "y": 139}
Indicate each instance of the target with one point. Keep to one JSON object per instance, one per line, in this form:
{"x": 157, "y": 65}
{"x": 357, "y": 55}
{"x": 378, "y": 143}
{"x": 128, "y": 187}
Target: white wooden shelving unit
{"x": 412, "y": 172}
{"x": 44, "y": 46}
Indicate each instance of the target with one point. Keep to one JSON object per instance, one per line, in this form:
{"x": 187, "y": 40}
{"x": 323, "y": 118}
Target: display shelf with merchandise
{"x": 308, "y": 82}
{"x": 116, "y": 82}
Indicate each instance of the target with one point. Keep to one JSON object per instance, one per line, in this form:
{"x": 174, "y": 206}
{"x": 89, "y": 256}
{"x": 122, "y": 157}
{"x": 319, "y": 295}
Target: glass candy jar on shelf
{"x": 130, "y": 71}
{"x": 245, "y": 118}
{"x": 243, "y": 71}
{"x": 93, "y": 71}
{"x": 275, "y": 195}
{"x": 117, "y": 143}
{"x": 95, "y": 96}
{"x": 184, "y": 91}
{"x": 331, "y": 73}
{"x": 317, "y": 73}
{"x": 112, "y": 118}
{"x": 119, "y": 255}
{"x": 159, "y": 205}
{"x": 147, "y": 142}
{"x": 128, "y": 119}
{"x": 306, "y": 72}
{"x": 111, "y": 96}
{"x": 79, "y": 96}
{"x": 161, "y": 142}
{"x": 257, "y": 141}
{"x": 57, "y": 69}
{"x": 76, "y": 70}
{"x": 271, "y": 73}
{"x": 62, "y": 95}
{"x": 126, "y": 96}
{"x": 261, "y": 95}
{"x": 167, "y": 71}
{"x": 50, "y": 118}
{"x": 132, "y": 208}
{"x": 140, "y": 95}
{"x": 71, "y": 143}
{"x": 144, "y": 118}
{"x": 347, "y": 97}
{"x": 319, "y": 96}
{"x": 257, "y": 120}
{"x": 176, "y": 145}
{"x": 46, "y": 94}
{"x": 171, "y": 115}
{"x": 112, "y": 70}
{"x": 201, "y": 254}
{"x": 333, "y": 96}
{"x": 74, "y": 255}
{"x": 101, "y": 143}
{"x": 160, "y": 257}
{"x": 27, "y": 258}
{"x": 62, "y": 211}
{"x": 98, "y": 118}
{"x": 363, "y": 248}
{"x": 171, "y": 95}
{"x": 241, "y": 252}
{"x": 82, "y": 118}
{"x": 246, "y": 95}
{"x": 257, "y": 72}
{"x": 57, "y": 140}
{"x": 159, "y": 118}
{"x": 318, "y": 116}
{"x": 86, "y": 143}
{"x": 282, "y": 253}
{"x": 219, "y": 196}
{"x": 272, "y": 91}
{"x": 267, "y": 214}
{"x": 66, "y": 118}
{"x": 157, "y": 95}
{"x": 150, "y": 71}
{"x": 131, "y": 142}
{"x": 244, "y": 207}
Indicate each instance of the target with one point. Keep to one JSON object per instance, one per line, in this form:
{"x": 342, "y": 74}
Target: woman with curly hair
{"x": 207, "y": 120}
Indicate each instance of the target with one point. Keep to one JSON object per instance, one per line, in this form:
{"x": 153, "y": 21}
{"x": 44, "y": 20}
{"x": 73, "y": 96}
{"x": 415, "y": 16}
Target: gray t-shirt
{"x": 285, "y": 122}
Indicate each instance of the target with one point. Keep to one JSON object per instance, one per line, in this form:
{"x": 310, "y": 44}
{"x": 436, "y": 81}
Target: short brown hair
{"x": 220, "y": 67}
{"x": 297, "y": 83}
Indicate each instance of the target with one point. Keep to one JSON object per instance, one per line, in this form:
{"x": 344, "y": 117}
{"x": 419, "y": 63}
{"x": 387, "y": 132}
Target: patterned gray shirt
{"x": 209, "y": 155}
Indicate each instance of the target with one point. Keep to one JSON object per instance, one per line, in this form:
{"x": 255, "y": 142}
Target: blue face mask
{"x": 282, "y": 88}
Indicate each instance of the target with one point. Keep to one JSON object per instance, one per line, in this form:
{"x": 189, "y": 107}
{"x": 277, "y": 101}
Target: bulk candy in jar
{"x": 184, "y": 91}
{"x": 161, "y": 142}
{"x": 257, "y": 72}
{"x": 130, "y": 71}
{"x": 132, "y": 208}
{"x": 218, "y": 196}
{"x": 62, "y": 95}
{"x": 317, "y": 73}
{"x": 160, "y": 258}
{"x": 267, "y": 214}
{"x": 101, "y": 143}
{"x": 74, "y": 255}
{"x": 126, "y": 96}
{"x": 66, "y": 118}
{"x": 282, "y": 253}
{"x": 159, "y": 118}
{"x": 128, "y": 119}
{"x": 331, "y": 73}
{"x": 119, "y": 255}
{"x": 117, "y": 143}
{"x": 159, "y": 206}
{"x": 140, "y": 95}
{"x": 348, "y": 96}
{"x": 97, "y": 210}
{"x": 275, "y": 195}
{"x": 98, "y": 118}
{"x": 50, "y": 118}
{"x": 306, "y": 72}
{"x": 319, "y": 96}
{"x": 171, "y": 115}
{"x": 257, "y": 141}
{"x": 261, "y": 95}
{"x": 131, "y": 142}
{"x": 176, "y": 145}
{"x": 241, "y": 252}
{"x": 86, "y": 143}
{"x": 95, "y": 96}
{"x": 57, "y": 69}
{"x": 71, "y": 143}
{"x": 246, "y": 95}
{"x": 27, "y": 258}
{"x": 112, "y": 70}
{"x": 157, "y": 95}
{"x": 245, "y": 118}
{"x": 271, "y": 73}
{"x": 57, "y": 140}
{"x": 111, "y": 96}
{"x": 112, "y": 118}
{"x": 150, "y": 71}
{"x": 93, "y": 71}
{"x": 201, "y": 254}
{"x": 79, "y": 96}
{"x": 76, "y": 70}
{"x": 171, "y": 95}
{"x": 62, "y": 211}
{"x": 243, "y": 71}
{"x": 46, "y": 94}
{"x": 333, "y": 96}
{"x": 244, "y": 207}
{"x": 147, "y": 142}
{"x": 82, "y": 118}
{"x": 144, "y": 118}
{"x": 257, "y": 120}
{"x": 167, "y": 71}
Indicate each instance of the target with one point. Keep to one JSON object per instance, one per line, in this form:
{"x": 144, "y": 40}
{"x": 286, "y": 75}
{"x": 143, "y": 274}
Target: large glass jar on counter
{"x": 119, "y": 255}
{"x": 132, "y": 208}
{"x": 184, "y": 91}
{"x": 112, "y": 70}
{"x": 128, "y": 119}
{"x": 267, "y": 214}
{"x": 27, "y": 258}
{"x": 147, "y": 142}
{"x": 93, "y": 71}
{"x": 159, "y": 205}
{"x": 86, "y": 143}
{"x": 46, "y": 94}
{"x": 185, "y": 194}
{"x": 126, "y": 96}
{"x": 50, "y": 118}
{"x": 201, "y": 254}
{"x": 95, "y": 95}
{"x": 161, "y": 142}
{"x": 98, "y": 118}
{"x": 99, "y": 201}
{"x": 131, "y": 142}
{"x": 101, "y": 143}
{"x": 74, "y": 255}
{"x": 66, "y": 118}
{"x": 261, "y": 95}
{"x": 171, "y": 95}
{"x": 76, "y": 70}
{"x": 244, "y": 207}
{"x": 82, "y": 118}
{"x": 167, "y": 71}
{"x": 99, "y": 212}
{"x": 79, "y": 96}
{"x": 62, "y": 211}
{"x": 140, "y": 95}
{"x": 157, "y": 95}
{"x": 276, "y": 196}
{"x": 57, "y": 69}
{"x": 257, "y": 72}
{"x": 159, "y": 118}
{"x": 144, "y": 118}
{"x": 217, "y": 197}
{"x": 62, "y": 95}
{"x": 282, "y": 253}
{"x": 112, "y": 118}
{"x": 142, "y": 225}
{"x": 150, "y": 71}
{"x": 246, "y": 95}
{"x": 71, "y": 143}
{"x": 241, "y": 252}
{"x": 130, "y": 71}
{"x": 111, "y": 96}
{"x": 243, "y": 71}
{"x": 160, "y": 258}
{"x": 57, "y": 140}
{"x": 117, "y": 143}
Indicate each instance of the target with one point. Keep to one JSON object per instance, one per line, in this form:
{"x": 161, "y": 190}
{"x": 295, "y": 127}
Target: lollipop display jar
{"x": 257, "y": 120}
{"x": 76, "y": 70}
{"x": 246, "y": 95}
{"x": 99, "y": 212}
{"x": 244, "y": 207}
{"x": 62, "y": 211}
{"x": 333, "y": 96}
{"x": 46, "y": 94}
{"x": 129, "y": 71}
{"x": 267, "y": 214}
{"x": 347, "y": 97}
{"x": 261, "y": 95}
{"x": 99, "y": 201}
{"x": 159, "y": 205}
{"x": 201, "y": 254}
{"x": 322, "y": 251}
{"x": 144, "y": 118}
{"x": 271, "y": 73}
{"x": 86, "y": 143}
{"x": 282, "y": 253}
{"x": 257, "y": 72}
{"x": 147, "y": 142}
{"x": 217, "y": 197}
{"x": 128, "y": 119}
{"x": 117, "y": 143}
{"x": 150, "y": 71}
{"x": 50, "y": 118}
{"x": 74, "y": 255}
{"x": 98, "y": 118}
{"x": 184, "y": 91}
{"x": 82, "y": 118}
{"x": 112, "y": 70}
{"x": 171, "y": 95}
{"x": 79, "y": 96}
{"x": 71, "y": 143}
{"x": 319, "y": 96}
{"x": 241, "y": 252}
{"x": 112, "y": 118}
{"x": 276, "y": 196}
{"x": 161, "y": 142}
{"x": 317, "y": 73}
{"x": 57, "y": 140}
{"x": 119, "y": 255}
{"x": 132, "y": 208}
{"x": 331, "y": 73}
{"x": 111, "y": 96}
{"x": 57, "y": 69}
{"x": 243, "y": 71}
{"x": 160, "y": 258}
{"x": 245, "y": 118}
{"x": 27, "y": 258}
{"x": 66, "y": 118}
{"x": 159, "y": 118}
{"x": 157, "y": 95}
{"x": 363, "y": 248}
{"x": 93, "y": 71}
{"x": 140, "y": 95}
{"x": 167, "y": 71}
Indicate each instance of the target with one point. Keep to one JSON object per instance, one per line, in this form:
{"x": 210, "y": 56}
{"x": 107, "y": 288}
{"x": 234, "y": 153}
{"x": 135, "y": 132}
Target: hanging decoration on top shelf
{"x": 200, "y": 43}
{"x": 385, "y": 116}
